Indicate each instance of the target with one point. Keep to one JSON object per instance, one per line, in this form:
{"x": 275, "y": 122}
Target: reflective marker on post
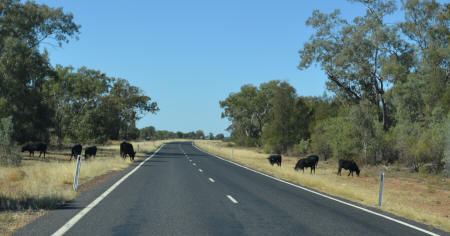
{"x": 77, "y": 173}
{"x": 380, "y": 197}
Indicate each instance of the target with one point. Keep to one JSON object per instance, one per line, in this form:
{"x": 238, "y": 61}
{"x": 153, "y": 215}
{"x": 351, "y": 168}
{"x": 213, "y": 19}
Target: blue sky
{"x": 189, "y": 55}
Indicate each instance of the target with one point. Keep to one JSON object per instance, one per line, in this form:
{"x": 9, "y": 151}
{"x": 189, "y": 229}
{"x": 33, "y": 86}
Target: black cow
{"x": 309, "y": 161}
{"x": 41, "y": 147}
{"x": 76, "y": 150}
{"x": 348, "y": 165}
{"x": 275, "y": 159}
{"x": 90, "y": 151}
{"x": 127, "y": 149}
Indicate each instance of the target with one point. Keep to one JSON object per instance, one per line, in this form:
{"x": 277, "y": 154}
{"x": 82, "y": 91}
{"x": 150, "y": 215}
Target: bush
{"x": 9, "y": 155}
{"x": 341, "y": 137}
{"x": 320, "y": 144}
{"x": 423, "y": 142}
{"x": 447, "y": 148}
{"x": 302, "y": 147}
{"x": 355, "y": 134}
{"x": 229, "y": 144}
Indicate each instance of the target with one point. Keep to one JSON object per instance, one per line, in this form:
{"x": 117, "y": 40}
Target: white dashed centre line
{"x": 212, "y": 180}
{"x": 194, "y": 164}
{"x": 190, "y": 160}
{"x": 200, "y": 170}
{"x": 232, "y": 199}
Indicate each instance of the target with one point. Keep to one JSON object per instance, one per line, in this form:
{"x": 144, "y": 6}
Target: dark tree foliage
{"x": 271, "y": 115}
{"x": 24, "y": 68}
{"x": 90, "y": 106}
{"x": 393, "y": 74}
{"x": 389, "y": 85}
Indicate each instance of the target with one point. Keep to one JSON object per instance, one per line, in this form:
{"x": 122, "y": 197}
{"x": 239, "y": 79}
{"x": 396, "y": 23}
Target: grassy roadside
{"x": 421, "y": 198}
{"x": 39, "y": 184}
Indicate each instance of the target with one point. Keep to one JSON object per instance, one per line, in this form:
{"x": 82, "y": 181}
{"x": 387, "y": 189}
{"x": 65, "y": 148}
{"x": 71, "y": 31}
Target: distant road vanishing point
{"x": 180, "y": 190}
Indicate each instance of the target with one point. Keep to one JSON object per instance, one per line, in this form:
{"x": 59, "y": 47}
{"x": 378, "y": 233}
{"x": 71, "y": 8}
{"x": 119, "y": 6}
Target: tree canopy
{"x": 389, "y": 86}
{"x": 74, "y": 105}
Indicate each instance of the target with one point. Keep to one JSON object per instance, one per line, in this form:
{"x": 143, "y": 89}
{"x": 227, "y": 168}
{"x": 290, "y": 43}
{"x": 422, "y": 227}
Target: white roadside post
{"x": 138, "y": 148}
{"x": 77, "y": 173}
{"x": 380, "y": 197}
{"x": 232, "y": 152}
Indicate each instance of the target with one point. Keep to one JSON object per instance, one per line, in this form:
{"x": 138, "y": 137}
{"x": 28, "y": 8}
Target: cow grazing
{"x": 127, "y": 149}
{"x": 348, "y": 165}
{"x": 275, "y": 159}
{"x": 76, "y": 150}
{"x": 90, "y": 151}
{"x": 41, "y": 147}
{"x": 309, "y": 161}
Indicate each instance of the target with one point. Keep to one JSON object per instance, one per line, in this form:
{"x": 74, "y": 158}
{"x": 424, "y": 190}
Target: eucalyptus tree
{"x": 246, "y": 110}
{"x": 422, "y": 99}
{"x": 199, "y": 134}
{"x": 123, "y": 106}
{"x": 24, "y": 67}
{"x": 427, "y": 24}
{"x": 147, "y": 133}
{"x": 287, "y": 120}
{"x": 361, "y": 58}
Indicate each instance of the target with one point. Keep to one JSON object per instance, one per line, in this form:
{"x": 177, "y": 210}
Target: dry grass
{"x": 39, "y": 184}
{"x": 44, "y": 183}
{"x": 421, "y": 198}
{"x": 13, "y": 220}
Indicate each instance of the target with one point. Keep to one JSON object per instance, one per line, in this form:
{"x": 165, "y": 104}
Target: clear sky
{"x": 189, "y": 55}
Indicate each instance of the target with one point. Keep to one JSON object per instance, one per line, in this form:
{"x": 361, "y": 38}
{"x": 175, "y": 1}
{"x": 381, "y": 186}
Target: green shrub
{"x": 320, "y": 144}
{"x": 229, "y": 144}
{"x": 447, "y": 148}
{"x": 302, "y": 147}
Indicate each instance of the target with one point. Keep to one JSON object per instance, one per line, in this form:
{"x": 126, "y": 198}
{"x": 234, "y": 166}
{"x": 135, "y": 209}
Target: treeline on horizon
{"x": 41, "y": 102}
{"x": 150, "y": 133}
{"x": 389, "y": 86}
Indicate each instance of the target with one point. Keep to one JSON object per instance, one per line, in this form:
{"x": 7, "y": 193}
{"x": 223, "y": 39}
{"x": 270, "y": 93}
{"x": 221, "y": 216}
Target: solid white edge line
{"x": 232, "y": 199}
{"x": 323, "y": 195}
{"x": 212, "y": 180}
{"x": 77, "y": 217}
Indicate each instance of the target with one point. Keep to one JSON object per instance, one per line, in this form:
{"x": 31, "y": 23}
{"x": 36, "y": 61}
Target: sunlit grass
{"x": 44, "y": 183}
{"x": 403, "y": 195}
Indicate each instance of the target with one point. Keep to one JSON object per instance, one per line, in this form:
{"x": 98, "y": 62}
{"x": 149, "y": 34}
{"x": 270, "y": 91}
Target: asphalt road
{"x": 183, "y": 191}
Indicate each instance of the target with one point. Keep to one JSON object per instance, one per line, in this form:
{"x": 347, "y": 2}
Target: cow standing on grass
{"x": 348, "y": 165}
{"x": 90, "y": 151}
{"x": 309, "y": 161}
{"x": 41, "y": 147}
{"x": 127, "y": 149}
{"x": 275, "y": 159}
{"x": 76, "y": 150}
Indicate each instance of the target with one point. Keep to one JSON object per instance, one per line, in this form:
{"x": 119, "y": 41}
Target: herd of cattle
{"x": 125, "y": 149}
{"x": 311, "y": 161}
